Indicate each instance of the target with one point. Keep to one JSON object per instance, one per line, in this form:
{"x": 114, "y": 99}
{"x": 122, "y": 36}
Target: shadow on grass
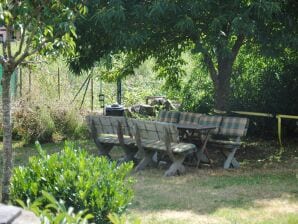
{"x": 207, "y": 191}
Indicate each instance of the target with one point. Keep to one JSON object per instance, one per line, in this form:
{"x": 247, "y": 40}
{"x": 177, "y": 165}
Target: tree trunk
{"x": 222, "y": 85}
{"x": 7, "y": 135}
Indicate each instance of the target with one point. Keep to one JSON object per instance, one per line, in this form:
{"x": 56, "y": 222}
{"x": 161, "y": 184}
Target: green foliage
{"x": 80, "y": 180}
{"x": 266, "y": 85}
{"x": 164, "y": 29}
{"x": 55, "y": 211}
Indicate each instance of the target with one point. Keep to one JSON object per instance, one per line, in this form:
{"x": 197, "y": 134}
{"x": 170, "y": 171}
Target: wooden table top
{"x": 196, "y": 127}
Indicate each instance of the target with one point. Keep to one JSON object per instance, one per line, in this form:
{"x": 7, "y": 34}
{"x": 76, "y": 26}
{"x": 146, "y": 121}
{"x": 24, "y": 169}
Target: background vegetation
{"x": 259, "y": 84}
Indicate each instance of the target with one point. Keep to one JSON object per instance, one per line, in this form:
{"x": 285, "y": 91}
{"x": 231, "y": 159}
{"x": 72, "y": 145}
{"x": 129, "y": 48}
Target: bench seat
{"x": 223, "y": 143}
{"x": 108, "y": 131}
{"x": 113, "y": 139}
{"x": 175, "y": 147}
{"x": 152, "y": 137}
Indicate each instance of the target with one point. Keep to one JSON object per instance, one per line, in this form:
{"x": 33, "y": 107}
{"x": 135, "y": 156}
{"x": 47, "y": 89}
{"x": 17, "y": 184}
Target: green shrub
{"x": 33, "y": 124}
{"x": 55, "y": 211}
{"x": 79, "y": 179}
{"x": 69, "y": 123}
{"x": 46, "y": 124}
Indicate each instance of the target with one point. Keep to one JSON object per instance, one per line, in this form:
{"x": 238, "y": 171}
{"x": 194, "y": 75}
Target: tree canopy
{"x": 163, "y": 29}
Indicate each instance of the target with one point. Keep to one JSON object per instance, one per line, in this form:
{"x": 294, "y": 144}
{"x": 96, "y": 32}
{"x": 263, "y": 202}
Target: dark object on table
{"x": 114, "y": 110}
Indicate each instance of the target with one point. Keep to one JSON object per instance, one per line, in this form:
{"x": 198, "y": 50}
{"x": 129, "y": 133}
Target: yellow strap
{"x": 287, "y": 116}
{"x": 279, "y": 129}
{"x": 278, "y": 116}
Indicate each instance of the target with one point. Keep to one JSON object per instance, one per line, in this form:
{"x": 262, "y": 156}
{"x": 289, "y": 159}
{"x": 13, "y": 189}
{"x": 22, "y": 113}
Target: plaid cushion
{"x": 211, "y": 120}
{"x": 189, "y": 118}
{"x": 233, "y": 126}
{"x": 168, "y": 116}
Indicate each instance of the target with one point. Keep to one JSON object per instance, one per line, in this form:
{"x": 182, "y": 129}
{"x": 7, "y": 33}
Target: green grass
{"x": 259, "y": 192}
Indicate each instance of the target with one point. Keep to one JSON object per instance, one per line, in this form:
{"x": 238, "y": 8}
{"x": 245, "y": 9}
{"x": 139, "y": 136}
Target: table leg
{"x": 201, "y": 156}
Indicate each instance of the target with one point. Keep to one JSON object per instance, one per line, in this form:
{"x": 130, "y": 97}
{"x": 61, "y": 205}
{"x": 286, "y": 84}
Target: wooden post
{"x": 30, "y": 85}
{"x": 59, "y": 84}
{"x": 21, "y": 82}
{"x": 92, "y": 95}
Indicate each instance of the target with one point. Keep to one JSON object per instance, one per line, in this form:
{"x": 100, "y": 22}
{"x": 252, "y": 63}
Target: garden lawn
{"x": 262, "y": 191}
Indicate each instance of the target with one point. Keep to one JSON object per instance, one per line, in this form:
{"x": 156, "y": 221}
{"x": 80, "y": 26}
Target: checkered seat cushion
{"x": 189, "y": 118}
{"x": 230, "y": 132}
{"x": 168, "y": 116}
{"x": 213, "y": 120}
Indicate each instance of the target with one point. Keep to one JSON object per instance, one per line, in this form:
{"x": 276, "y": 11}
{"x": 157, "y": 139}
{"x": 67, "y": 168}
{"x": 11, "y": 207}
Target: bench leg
{"x": 130, "y": 152}
{"x": 104, "y": 150}
{"x": 230, "y": 159}
{"x": 177, "y": 166}
{"x": 146, "y": 160}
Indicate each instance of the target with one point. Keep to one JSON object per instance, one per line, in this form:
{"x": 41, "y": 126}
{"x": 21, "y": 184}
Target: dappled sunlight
{"x": 182, "y": 217}
{"x": 277, "y": 210}
{"x": 278, "y": 205}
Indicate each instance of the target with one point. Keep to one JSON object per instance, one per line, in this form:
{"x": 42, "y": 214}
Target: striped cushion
{"x": 211, "y": 120}
{"x": 189, "y": 118}
{"x": 168, "y": 116}
{"x": 233, "y": 126}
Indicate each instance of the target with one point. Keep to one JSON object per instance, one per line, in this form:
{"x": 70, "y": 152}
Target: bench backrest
{"x": 110, "y": 124}
{"x": 168, "y": 116}
{"x": 189, "y": 118}
{"x": 152, "y": 130}
{"x": 233, "y": 126}
{"x": 211, "y": 120}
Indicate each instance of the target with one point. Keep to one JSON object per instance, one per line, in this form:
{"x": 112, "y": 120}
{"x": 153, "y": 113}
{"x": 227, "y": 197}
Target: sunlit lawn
{"x": 264, "y": 190}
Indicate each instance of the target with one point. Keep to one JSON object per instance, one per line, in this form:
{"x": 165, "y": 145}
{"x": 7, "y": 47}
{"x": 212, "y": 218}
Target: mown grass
{"x": 263, "y": 191}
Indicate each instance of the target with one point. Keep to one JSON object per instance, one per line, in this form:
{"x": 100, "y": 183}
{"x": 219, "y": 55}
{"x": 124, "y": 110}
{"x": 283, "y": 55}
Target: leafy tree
{"x": 164, "y": 29}
{"x": 45, "y": 27}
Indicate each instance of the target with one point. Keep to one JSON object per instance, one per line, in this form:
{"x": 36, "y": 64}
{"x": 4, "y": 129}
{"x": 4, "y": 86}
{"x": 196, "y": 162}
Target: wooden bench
{"x": 108, "y": 131}
{"x": 154, "y": 137}
{"x": 228, "y": 139}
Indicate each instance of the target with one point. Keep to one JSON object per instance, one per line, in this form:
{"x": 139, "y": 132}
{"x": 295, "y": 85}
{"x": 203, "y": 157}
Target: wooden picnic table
{"x": 188, "y": 130}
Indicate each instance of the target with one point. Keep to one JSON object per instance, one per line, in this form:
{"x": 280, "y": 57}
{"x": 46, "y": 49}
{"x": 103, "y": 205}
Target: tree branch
{"x": 8, "y": 41}
{"x": 21, "y": 43}
{"x": 29, "y": 53}
{"x": 210, "y": 65}
{"x": 237, "y": 45}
